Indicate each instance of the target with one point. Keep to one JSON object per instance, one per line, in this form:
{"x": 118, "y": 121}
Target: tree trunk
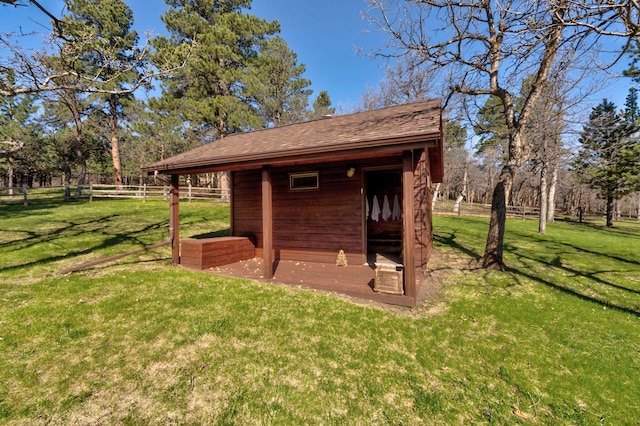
{"x": 456, "y": 206}
{"x": 435, "y": 197}
{"x": 552, "y": 194}
{"x": 495, "y": 239}
{"x": 67, "y": 181}
{"x": 225, "y": 189}
{"x": 10, "y": 175}
{"x": 81, "y": 160}
{"x": 83, "y": 172}
{"x": 492, "y": 257}
{"x": 609, "y": 211}
{"x": 542, "y": 224}
{"x": 115, "y": 143}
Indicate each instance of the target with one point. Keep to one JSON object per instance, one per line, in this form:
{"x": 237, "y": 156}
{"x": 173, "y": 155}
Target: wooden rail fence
{"x": 143, "y": 192}
{"x": 447, "y": 207}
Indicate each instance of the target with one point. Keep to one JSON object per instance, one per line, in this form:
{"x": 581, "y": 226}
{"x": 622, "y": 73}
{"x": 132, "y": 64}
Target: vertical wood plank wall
{"x": 309, "y": 225}
{"x": 314, "y": 225}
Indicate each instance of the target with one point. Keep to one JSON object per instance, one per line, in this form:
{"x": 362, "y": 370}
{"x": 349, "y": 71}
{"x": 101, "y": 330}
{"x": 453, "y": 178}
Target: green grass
{"x": 556, "y": 340}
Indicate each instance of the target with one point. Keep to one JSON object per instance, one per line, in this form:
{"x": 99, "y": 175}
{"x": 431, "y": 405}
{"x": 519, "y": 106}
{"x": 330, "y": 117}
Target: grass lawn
{"x": 556, "y": 340}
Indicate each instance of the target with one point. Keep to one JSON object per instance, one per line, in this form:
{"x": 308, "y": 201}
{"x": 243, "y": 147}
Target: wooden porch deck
{"x": 352, "y": 280}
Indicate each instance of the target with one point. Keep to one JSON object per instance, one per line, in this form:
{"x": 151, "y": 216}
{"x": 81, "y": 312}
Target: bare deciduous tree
{"x": 486, "y": 48}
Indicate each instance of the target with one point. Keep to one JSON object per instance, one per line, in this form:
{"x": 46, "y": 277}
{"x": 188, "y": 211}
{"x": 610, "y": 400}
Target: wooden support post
{"x": 174, "y": 219}
{"x": 267, "y": 223}
{"x": 232, "y": 203}
{"x": 408, "y": 225}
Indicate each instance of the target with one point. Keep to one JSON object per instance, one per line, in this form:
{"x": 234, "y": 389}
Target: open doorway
{"x": 384, "y": 212}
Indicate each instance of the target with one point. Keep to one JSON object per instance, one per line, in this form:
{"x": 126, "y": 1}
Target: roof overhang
{"x": 369, "y": 150}
{"x": 368, "y": 134}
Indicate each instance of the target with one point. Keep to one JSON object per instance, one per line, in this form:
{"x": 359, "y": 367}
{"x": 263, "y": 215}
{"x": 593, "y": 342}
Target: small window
{"x": 303, "y": 181}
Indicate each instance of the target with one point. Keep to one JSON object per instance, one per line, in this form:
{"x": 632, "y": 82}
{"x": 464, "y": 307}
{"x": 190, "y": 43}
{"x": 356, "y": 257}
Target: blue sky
{"x": 325, "y": 34}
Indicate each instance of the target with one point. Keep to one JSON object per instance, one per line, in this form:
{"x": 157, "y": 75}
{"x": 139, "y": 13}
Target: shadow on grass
{"x": 37, "y": 207}
{"x": 72, "y": 230}
{"x": 450, "y": 242}
{"x": 575, "y": 293}
{"x": 601, "y": 228}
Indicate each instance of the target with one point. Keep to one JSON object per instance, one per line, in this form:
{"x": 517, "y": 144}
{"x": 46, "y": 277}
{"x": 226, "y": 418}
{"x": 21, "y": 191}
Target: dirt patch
{"x": 443, "y": 264}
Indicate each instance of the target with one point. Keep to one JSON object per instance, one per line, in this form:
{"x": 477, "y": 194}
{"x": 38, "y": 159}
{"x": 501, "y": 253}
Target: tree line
{"x": 513, "y": 77}
{"x": 75, "y": 106}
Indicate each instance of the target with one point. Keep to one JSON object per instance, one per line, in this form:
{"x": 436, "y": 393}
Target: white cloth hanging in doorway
{"x": 397, "y": 211}
{"x": 386, "y": 209}
{"x": 375, "y": 210}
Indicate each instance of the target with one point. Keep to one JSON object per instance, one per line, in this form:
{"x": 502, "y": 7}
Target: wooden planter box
{"x": 389, "y": 279}
{"x": 210, "y": 252}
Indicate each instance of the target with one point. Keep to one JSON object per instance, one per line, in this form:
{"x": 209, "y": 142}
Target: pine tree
{"x": 490, "y": 126}
{"x": 322, "y": 106}
{"x": 280, "y": 92}
{"x": 102, "y": 45}
{"x": 211, "y": 47}
{"x": 17, "y": 130}
{"x": 609, "y": 155}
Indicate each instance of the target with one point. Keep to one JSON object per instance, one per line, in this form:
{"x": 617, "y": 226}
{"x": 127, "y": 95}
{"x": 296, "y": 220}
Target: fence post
{"x": 523, "y": 213}
{"x": 24, "y": 195}
{"x": 189, "y": 190}
{"x": 144, "y": 193}
{"x": 164, "y": 192}
{"x": 90, "y": 192}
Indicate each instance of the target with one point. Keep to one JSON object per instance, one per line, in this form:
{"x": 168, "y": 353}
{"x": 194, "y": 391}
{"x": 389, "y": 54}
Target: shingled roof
{"x": 377, "y": 132}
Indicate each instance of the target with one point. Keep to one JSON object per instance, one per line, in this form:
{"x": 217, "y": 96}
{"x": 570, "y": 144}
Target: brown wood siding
{"x": 247, "y": 205}
{"x": 314, "y": 225}
{"x": 317, "y": 224}
{"x": 309, "y": 225}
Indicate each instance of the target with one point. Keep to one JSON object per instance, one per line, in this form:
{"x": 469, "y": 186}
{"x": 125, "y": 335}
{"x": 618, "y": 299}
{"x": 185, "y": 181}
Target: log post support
{"x": 267, "y": 223}
{"x": 408, "y": 225}
{"x": 174, "y": 219}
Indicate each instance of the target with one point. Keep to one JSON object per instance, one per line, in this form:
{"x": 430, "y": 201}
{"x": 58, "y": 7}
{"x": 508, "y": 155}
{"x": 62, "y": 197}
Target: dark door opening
{"x": 384, "y": 212}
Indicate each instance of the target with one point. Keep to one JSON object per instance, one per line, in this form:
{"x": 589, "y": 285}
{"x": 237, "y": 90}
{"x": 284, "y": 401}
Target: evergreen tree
{"x": 103, "y": 45}
{"x": 17, "y": 131}
{"x": 210, "y": 49}
{"x": 489, "y": 125}
{"x": 322, "y": 106}
{"x": 609, "y": 155}
{"x": 280, "y": 92}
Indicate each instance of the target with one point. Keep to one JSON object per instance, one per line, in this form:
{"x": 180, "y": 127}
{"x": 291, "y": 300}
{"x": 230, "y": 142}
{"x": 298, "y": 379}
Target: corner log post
{"x": 408, "y": 225}
{"x": 267, "y": 223}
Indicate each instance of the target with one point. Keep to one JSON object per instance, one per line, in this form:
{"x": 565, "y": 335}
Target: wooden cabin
{"x": 351, "y": 191}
